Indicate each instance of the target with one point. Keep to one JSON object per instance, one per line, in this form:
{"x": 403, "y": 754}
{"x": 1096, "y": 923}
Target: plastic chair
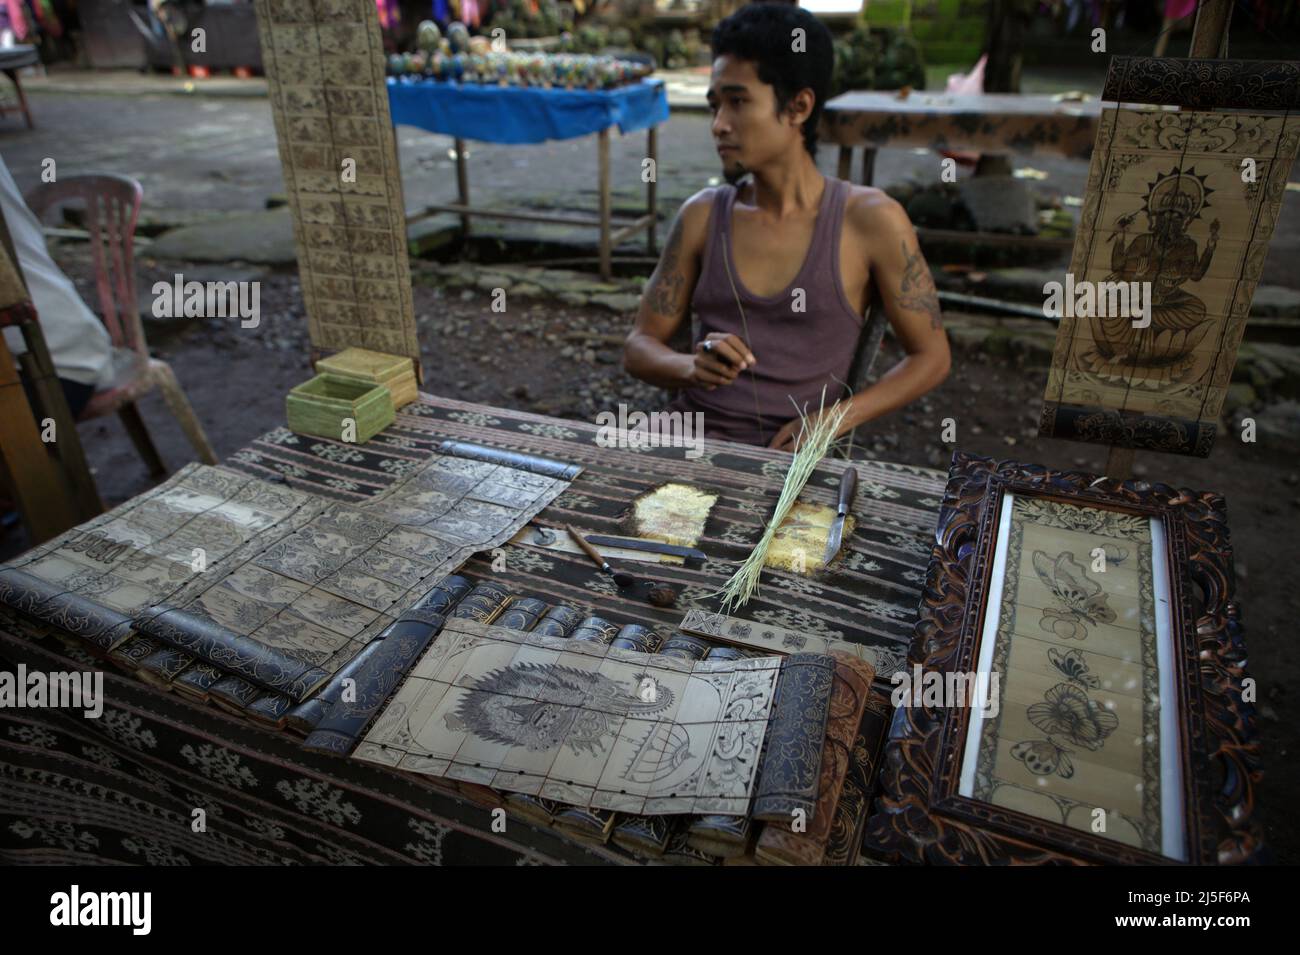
{"x": 112, "y": 206}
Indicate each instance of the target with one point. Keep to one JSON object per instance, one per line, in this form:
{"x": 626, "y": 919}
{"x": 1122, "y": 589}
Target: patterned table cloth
{"x": 124, "y": 788}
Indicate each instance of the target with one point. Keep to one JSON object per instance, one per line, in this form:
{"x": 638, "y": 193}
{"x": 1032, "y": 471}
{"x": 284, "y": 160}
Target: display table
{"x": 524, "y": 115}
{"x": 124, "y": 787}
{"x": 986, "y": 122}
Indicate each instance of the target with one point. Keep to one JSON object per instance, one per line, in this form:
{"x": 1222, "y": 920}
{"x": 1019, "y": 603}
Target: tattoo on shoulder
{"x": 664, "y": 290}
{"x": 917, "y": 293}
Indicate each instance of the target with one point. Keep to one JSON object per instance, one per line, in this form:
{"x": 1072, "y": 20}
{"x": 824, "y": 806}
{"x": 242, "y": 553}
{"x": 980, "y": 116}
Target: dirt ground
{"x": 566, "y": 361}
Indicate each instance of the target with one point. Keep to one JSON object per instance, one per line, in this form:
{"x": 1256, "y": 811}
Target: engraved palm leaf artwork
{"x": 1080, "y": 599}
{"x": 658, "y": 754}
{"x": 541, "y": 706}
{"x": 1167, "y": 257}
{"x": 1067, "y": 716}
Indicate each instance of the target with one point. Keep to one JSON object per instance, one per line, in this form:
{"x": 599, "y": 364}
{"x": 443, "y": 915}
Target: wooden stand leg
{"x": 22, "y": 97}
{"x": 868, "y": 164}
{"x": 1119, "y": 463}
{"x": 139, "y": 435}
{"x": 180, "y": 408}
{"x": 462, "y": 185}
{"x": 39, "y": 369}
{"x": 651, "y": 197}
{"x": 38, "y": 488}
{"x": 602, "y": 160}
{"x": 845, "y": 167}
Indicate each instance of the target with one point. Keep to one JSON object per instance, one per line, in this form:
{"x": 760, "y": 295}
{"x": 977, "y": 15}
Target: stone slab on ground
{"x": 1000, "y": 204}
{"x": 1279, "y": 422}
{"x": 265, "y": 238}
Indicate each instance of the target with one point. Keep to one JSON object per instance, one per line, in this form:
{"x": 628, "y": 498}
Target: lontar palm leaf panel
{"x": 1184, "y": 204}
{"x": 325, "y": 72}
{"x": 244, "y": 590}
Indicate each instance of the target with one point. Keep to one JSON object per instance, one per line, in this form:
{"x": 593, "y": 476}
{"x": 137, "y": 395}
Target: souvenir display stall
{"x": 338, "y": 560}
{"x": 413, "y": 629}
{"x": 473, "y": 92}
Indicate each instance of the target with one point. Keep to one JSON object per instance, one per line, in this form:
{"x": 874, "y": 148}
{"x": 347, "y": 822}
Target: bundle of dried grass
{"x": 816, "y": 440}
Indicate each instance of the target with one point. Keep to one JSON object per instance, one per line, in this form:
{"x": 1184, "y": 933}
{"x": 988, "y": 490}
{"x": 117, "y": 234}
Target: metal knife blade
{"x": 843, "y": 504}
{"x": 692, "y": 556}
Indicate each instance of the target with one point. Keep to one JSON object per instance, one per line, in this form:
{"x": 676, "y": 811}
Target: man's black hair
{"x": 764, "y": 34}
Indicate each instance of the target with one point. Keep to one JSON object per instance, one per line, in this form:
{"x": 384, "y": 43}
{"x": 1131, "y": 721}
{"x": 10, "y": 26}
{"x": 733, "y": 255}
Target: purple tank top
{"x": 798, "y": 351}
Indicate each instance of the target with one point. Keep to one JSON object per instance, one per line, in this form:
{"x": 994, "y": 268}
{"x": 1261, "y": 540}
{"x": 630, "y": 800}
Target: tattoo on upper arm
{"x": 664, "y": 291}
{"x": 917, "y": 293}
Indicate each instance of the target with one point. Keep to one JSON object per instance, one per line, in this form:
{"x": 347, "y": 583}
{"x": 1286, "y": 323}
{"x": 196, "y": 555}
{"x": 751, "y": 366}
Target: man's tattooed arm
{"x": 664, "y": 292}
{"x": 666, "y": 301}
{"x": 916, "y": 291}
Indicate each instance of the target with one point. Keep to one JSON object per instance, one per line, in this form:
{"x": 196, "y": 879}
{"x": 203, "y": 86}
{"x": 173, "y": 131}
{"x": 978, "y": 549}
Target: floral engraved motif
{"x": 1089, "y": 520}
{"x": 876, "y": 490}
{"x": 429, "y": 849}
{"x": 155, "y": 853}
{"x": 1068, "y": 712}
{"x": 398, "y": 467}
{"x": 268, "y": 829}
{"x": 340, "y": 454}
{"x": 101, "y": 755}
{"x": 794, "y": 620}
{"x": 282, "y": 436}
{"x": 475, "y": 419}
{"x": 34, "y": 736}
{"x": 320, "y": 799}
{"x": 528, "y": 561}
{"x": 549, "y": 431}
{"x": 220, "y": 765}
{"x": 62, "y": 834}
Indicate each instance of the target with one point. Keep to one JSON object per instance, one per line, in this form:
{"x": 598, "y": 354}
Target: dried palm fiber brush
{"x": 815, "y": 441}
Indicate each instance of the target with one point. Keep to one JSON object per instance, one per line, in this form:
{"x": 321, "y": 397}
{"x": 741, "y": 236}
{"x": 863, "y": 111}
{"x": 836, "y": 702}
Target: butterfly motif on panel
{"x": 1081, "y": 599}
{"x": 1073, "y": 666}
{"x": 1043, "y": 757}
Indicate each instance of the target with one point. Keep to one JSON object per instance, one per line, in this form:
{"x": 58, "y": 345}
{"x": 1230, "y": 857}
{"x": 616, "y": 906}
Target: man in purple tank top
{"x": 779, "y": 266}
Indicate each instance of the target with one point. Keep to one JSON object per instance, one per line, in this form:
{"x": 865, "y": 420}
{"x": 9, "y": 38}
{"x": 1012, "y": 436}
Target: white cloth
{"x": 78, "y": 341}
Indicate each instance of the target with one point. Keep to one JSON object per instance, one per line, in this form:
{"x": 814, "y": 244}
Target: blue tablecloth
{"x": 522, "y": 114}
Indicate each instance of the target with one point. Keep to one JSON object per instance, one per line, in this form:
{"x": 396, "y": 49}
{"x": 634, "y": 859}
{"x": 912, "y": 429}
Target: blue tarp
{"x": 523, "y": 114}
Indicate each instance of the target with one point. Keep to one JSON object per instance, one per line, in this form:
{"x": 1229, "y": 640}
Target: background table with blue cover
{"x": 525, "y": 115}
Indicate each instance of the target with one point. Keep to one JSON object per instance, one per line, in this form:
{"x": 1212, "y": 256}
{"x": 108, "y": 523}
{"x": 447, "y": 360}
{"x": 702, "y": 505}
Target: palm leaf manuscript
{"x": 1077, "y": 738}
{"x": 325, "y": 72}
{"x": 300, "y": 576}
{"x": 1185, "y": 201}
{"x": 580, "y": 723}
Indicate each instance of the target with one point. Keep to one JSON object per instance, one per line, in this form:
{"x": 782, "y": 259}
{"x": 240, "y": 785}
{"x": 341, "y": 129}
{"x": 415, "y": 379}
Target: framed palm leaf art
{"x": 1100, "y": 617}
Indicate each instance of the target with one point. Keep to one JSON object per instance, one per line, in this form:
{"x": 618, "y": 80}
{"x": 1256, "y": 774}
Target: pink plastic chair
{"x": 112, "y": 206}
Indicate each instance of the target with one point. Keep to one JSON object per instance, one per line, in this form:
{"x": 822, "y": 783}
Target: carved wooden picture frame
{"x": 940, "y": 759}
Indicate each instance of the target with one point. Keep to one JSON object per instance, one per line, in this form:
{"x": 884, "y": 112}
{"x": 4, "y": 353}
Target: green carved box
{"x": 341, "y": 409}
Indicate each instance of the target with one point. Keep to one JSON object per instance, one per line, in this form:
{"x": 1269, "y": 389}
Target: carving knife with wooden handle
{"x": 843, "y": 504}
